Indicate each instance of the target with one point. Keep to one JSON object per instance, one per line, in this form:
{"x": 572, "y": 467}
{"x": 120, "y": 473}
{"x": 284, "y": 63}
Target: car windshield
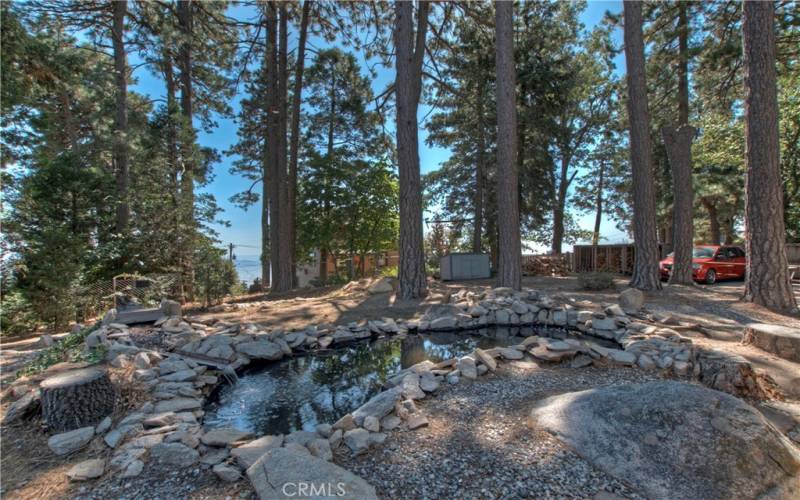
{"x": 702, "y": 253}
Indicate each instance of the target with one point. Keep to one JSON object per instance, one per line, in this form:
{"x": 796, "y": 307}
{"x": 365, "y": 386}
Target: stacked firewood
{"x": 545, "y": 265}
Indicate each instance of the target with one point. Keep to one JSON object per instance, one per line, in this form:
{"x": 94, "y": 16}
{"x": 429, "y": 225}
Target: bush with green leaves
{"x": 69, "y": 348}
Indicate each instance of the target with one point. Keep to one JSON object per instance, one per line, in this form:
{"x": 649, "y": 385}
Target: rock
{"x": 417, "y": 421}
{"x": 782, "y": 341}
{"x": 428, "y": 382}
{"x": 133, "y": 469}
{"x": 180, "y": 376}
{"x": 247, "y": 454}
{"x": 486, "y": 359}
{"x": 25, "y": 405}
{"x": 280, "y": 472}
{"x": 176, "y": 454}
{"x": 170, "y": 308}
{"x": 614, "y": 310}
{"x": 631, "y": 299}
{"x": 261, "y": 349}
{"x": 477, "y": 311}
{"x": 466, "y": 366}
{"x": 214, "y": 456}
{"x": 715, "y": 446}
{"x": 444, "y": 323}
{"x": 177, "y": 404}
{"x": 141, "y": 361}
{"x": 645, "y": 362}
{"x": 379, "y": 406}
{"x": 103, "y": 426}
{"x": 88, "y": 469}
{"x": 621, "y": 357}
{"x": 321, "y": 448}
{"x": 346, "y": 422}
{"x": 226, "y": 473}
{"x": 411, "y": 388}
{"x": 510, "y": 354}
{"x": 336, "y": 438}
{"x": 67, "y": 442}
{"x": 382, "y": 285}
{"x": 300, "y": 437}
{"x": 390, "y": 422}
{"x": 109, "y": 317}
{"x": 224, "y": 437}
{"x": 519, "y": 307}
{"x": 372, "y": 424}
{"x": 357, "y": 440}
{"x": 324, "y": 430}
{"x": 581, "y": 361}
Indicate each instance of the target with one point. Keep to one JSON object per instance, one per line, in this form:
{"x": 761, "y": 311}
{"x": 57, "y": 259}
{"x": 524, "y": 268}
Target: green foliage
{"x": 16, "y": 314}
{"x": 215, "y": 275}
{"x": 390, "y": 271}
{"x": 69, "y": 348}
{"x": 596, "y": 281}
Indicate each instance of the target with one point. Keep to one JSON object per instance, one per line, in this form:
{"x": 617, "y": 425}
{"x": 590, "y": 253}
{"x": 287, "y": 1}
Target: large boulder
{"x": 631, "y": 299}
{"x": 675, "y": 440}
{"x": 281, "y": 472}
{"x": 379, "y": 406}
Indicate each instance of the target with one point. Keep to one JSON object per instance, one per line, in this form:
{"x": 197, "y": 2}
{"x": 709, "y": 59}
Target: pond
{"x": 300, "y": 392}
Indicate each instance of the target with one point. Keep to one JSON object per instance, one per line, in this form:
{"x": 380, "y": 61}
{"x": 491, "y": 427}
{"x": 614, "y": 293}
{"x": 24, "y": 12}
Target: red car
{"x": 711, "y": 263}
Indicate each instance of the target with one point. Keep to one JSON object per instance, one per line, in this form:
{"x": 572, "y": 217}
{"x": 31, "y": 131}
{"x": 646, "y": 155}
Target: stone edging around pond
{"x": 167, "y": 429}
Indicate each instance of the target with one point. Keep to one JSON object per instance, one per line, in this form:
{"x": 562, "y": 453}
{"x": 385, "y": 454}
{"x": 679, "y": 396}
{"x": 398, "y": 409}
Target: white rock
{"x": 88, "y": 469}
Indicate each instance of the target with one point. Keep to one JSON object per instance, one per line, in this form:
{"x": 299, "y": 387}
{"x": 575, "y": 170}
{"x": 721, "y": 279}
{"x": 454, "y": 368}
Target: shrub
{"x": 596, "y": 281}
{"x": 69, "y": 348}
{"x": 389, "y": 271}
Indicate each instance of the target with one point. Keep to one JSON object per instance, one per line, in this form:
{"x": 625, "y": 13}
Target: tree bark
{"x": 480, "y": 166}
{"x": 645, "y": 271}
{"x": 715, "y": 234}
{"x": 510, "y": 266}
{"x": 598, "y": 216}
{"x": 271, "y": 141}
{"x": 561, "y": 203}
{"x": 282, "y": 259}
{"x": 683, "y": 64}
{"x": 767, "y": 277}
{"x": 678, "y": 143}
{"x": 408, "y": 85}
{"x": 121, "y": 163}
{"x": 295, "y": 131}
{"x": 188, "y": 139}
{"x": 77, "y": 399}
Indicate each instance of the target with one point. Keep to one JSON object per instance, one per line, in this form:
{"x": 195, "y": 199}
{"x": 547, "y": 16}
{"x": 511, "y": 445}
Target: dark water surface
{"x": 299, "y": 393}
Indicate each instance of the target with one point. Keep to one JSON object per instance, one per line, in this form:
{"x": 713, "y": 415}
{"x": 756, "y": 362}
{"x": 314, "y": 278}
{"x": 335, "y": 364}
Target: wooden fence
{"x": 619, "y": 258}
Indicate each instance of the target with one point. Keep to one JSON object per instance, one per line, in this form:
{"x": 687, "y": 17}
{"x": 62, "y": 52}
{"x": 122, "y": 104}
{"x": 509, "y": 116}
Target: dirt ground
{"x": 30, "y": 471}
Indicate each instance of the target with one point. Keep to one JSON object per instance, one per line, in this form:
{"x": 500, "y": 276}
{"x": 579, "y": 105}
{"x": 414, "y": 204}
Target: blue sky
{"x": 244, "y": 230}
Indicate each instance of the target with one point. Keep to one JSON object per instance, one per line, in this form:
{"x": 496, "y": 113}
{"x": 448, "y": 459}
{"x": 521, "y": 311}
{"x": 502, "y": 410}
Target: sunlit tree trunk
{"x": 409, "y": 56}
{"x": 645, "y": 271}
{"x": 767, "y": 278}
{"x": 510, "y": 270}
{"x": 121, "y": 164}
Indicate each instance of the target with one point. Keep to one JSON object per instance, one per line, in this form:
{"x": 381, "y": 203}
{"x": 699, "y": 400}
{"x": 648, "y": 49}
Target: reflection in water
{"x": 299, "y": 393}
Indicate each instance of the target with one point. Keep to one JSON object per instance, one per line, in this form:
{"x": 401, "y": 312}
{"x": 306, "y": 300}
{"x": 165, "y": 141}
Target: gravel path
{"x": 479, "y": 445}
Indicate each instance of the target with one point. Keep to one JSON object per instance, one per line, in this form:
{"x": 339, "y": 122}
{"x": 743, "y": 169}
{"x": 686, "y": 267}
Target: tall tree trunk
{"x": 679, "y": 151}
{"x": 282, "y": 266}
{"x": 715, "y": 234}
{"x": 645, "y": 270}
{"x": 598, "y": 204}
{"x": 510, "y": 266}
{"x": 295, "y": 131}
{"x": 271, "y": 141}
{"x": 408, "y": 85}
{"x": 122, "y": 168}
{"x": 767, "y": 278}
{"x": 480, "y": 166}
{"x": 678, "y": 143}
{"x": 561, "y": 203}
{"x": 188, "y": 139}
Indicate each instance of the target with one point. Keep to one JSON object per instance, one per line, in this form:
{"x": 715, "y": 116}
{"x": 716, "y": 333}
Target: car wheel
{"x": 711, "y": 277}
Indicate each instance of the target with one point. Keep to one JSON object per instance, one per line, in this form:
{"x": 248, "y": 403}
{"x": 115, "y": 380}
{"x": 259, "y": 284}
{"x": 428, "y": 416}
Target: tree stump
{"x": 77, "y": 399}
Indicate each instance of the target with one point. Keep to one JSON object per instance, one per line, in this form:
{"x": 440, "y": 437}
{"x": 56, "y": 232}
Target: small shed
{"x": 464, "y": 266}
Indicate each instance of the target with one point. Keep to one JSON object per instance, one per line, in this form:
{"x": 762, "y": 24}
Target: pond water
{"x": 299, "y": 393}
